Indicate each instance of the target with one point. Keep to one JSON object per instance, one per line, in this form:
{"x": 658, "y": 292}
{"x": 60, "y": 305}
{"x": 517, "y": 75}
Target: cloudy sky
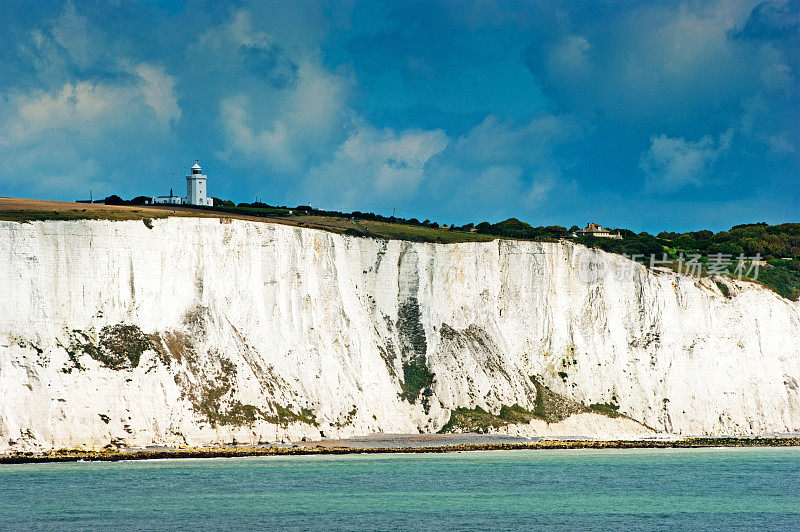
{"x": 647, "y": 115}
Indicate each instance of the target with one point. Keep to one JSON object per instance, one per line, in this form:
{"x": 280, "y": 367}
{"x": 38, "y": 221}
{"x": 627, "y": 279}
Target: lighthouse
{"x": 196, "y": 187}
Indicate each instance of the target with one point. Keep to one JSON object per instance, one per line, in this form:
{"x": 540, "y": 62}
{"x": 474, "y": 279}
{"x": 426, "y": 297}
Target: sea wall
{"x": 189, "y": 331}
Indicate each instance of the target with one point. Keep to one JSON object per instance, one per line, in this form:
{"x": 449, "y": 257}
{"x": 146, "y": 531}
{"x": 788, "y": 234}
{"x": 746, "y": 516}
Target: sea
{"x": 639, "y": 489}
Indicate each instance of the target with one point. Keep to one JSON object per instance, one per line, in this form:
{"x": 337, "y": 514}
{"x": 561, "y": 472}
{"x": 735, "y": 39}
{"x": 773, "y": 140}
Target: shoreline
{"x": 74, "y": 455}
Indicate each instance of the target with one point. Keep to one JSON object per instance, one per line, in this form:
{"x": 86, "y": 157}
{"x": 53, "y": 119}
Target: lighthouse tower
{"x": 196, "y": 187}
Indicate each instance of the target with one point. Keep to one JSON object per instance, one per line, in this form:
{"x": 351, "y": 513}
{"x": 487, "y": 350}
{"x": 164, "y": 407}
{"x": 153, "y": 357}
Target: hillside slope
{"x": 202, "y": 330}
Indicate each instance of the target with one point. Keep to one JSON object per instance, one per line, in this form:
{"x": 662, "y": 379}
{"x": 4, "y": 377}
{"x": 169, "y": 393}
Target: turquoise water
{"x": 629, "y": 489}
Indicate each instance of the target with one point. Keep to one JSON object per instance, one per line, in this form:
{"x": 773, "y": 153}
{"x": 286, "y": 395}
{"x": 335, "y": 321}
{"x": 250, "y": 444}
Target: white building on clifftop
{"x": 196, "y": 192}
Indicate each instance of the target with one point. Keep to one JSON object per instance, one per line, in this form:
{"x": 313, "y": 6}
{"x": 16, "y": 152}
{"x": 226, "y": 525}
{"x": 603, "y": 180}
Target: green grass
{"x": 472, "y": 420}
{"x": 79, "y": 214}
{"x": 607, "y": 409}
{"x": 417, "y": 380}
{"x": 480, "y": 421}
{"x": 515, "y": 414}
{"x": 723, "y": 288}
{"x": 118, "y": 347}
{"x": 285, "y": 415}
{"x": 781, "y": 278}
{"x": 549, "y": 406}
{"x": 417, "y": 233}
{"x": 354, "y": 227}
{"x": 252, "y": 211}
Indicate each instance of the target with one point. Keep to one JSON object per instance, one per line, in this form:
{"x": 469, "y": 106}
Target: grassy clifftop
{"x": 777, "y": 245}
{"x": 23, "y": 210}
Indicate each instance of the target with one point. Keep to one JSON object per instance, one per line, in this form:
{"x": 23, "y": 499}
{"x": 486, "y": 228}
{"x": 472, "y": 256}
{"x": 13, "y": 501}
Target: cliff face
{"x": 194, "y": 331}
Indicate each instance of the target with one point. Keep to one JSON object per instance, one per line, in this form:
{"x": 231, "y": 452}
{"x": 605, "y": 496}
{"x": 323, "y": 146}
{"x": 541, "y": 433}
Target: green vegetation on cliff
{"x": 778, "y": 246}
{"x": 117, "y": 347}
{"x": 548, "y": 406}
{"x": 417, "y": 379}
{"x": 15, "y": 215}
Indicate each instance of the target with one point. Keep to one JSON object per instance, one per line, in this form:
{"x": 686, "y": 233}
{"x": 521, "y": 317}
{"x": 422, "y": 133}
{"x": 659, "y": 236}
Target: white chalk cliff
{"x": 191, "y": 331}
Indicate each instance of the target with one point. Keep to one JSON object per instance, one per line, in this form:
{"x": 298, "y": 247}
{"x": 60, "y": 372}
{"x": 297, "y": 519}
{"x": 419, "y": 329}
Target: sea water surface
{"x": 660, "y": 489}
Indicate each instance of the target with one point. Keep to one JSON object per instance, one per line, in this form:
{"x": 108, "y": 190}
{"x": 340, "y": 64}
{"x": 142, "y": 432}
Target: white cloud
{"x": 375, "y": 165}
{"x": 286, "y": 110}
{"x": 116, "y": 89}
{"x": 495, "y": 141}
{"x": 490, "y": 187}
{"x": 52, "y": 167}
{"x": 90, "y": 109}
{"x": 500, "y": 163}
{"x": 299, "y": 24}
{"x": 760, "y": 123}
{"x": 72, "y": 32}
{"x": 64, "y": 44}
{"x": 240, "y": 55}
{"x": 58, "y": 135}
{"x": 225, "y": 42}
{"x": 542, "y": 187}
{"x": 569, "y": 59}
{"x": 285, "y": 129}
{"x": 673, "y": 163}
{"x": 158, "y": 90}
{"x": 776, "y": 74}
{"x": 652, "y": 59}
{"x": 779, "y": 143}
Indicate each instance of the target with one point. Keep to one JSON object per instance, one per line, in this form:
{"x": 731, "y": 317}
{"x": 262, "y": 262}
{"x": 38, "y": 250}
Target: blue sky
{"x": 646, "y": 115}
